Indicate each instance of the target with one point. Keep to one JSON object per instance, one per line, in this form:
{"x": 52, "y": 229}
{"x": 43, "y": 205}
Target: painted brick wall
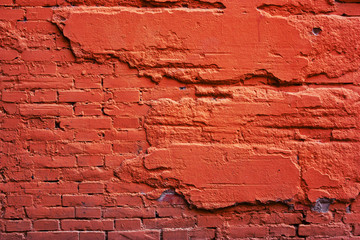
{"x": 179, "y": 119}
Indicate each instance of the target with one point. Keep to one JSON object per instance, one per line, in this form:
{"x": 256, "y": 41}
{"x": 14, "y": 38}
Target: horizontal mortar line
{"x": 117, "y": 9}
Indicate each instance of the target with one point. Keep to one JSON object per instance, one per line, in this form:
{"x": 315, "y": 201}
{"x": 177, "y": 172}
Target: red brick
{"x": 42, "y": 68}
{"x": 48, "y": 135}
{"x": 50, "y": 188}
{"x": 43, "y": 96}
{"x": 6, "y": 2}
{"x": 49, "y": 200}
{"x": 47, "y": 174}
{"x": 38, "y": 13}
{"x": 87, "y": 225}
{"x": 85, "y": 122}
{"x": 91, "y": 109}
{"x": 12, "y": 123}
{"x": 171, "y": 212}
{"x": 8, "y": 54}
{"x": 128, "y": 147}
{"x": 50, "y": 212}
{"x": 87, "y": 174}
{"x": 11, "y": 14}
{"x": 86, "y": 68}
{"x": 82, "y": 200}
{"x": 14, "y": 69}
{"x": 45, "y": 83}
{"x": 90, "y": 160}
{"x": 314, "y": 217}
{"x": 56, "y": 162}
{"x": 36, "y": 55}
{"x": 45, "y": 109}
{"x": 80, "y": 96}
{"x": 53, "y": 235}
{"x": 12, "y": 236}
{"x": 169, "y": 223}
{"x": 88, "y": 212}
{"x": 92, "y": 236}
{"x": 127, "y": 80}
{"x": 14, "y": 96}
{"x": 352, "y": 218}
{"x": 37, "y": 27}
{"x": 126, "y": 122}
{"x": 84, "y": 148}
{"x": 328, "y": 230}
{"x": 356, "y": 230}
{"x": 210, "y": 221}
{"x": 91, "y": 187}
{"x": 248, "y": 231}
{"x": 126, "y": 109}
{"x": 127, "y": 212}
{"x": 114, "y": 160}
{"x": 21, "y": 200}
{"x": 46, "y": 225}
{"x": 127, "y": 96}
{"x": 282, "y": 230}
{"x": 14, "y": 213}
{"x": 18, "y": 226}
{"x": 87, "y": 135}
{"x": 127, "y": 224}
{"x": 147, "y": 234}
{"x": 128, "y": 200}
{"x": 88, "y": 82}
{"x": 175, "y": 234}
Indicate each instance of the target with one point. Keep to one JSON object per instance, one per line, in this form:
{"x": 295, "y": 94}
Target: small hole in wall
{"x": 316, "y": 31}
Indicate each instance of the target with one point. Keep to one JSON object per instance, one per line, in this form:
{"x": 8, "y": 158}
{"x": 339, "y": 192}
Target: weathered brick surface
{"x": 180, "y": 119}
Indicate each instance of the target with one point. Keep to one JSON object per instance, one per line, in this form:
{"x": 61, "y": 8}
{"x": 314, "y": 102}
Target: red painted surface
{"x": 181, "y": 119}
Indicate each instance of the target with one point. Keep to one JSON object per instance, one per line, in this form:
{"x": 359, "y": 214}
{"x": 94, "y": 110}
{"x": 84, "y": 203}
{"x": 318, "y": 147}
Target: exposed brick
{"x": 14, "y": 96}
{"x": 127, "y": 96}
{"x": 90, "y": 160}
{"x": 45, "y": 109}
{"x": 169, "y": 223}
{"x": 128, "y": 122}
{"x": 282, "y": 230}
{"x": 122, "y": 212}
{"x": 53, "y": 235}
{"x": 88, "y": 82}
{"x": 50, "y": 212}
{"x": 91, "y": 109}
{"x": 39, "y": 13}
{"x": 46, "y": 225}
{"x": 88, "y": 212}
{"x": 92, "y": 235}
{"x": 14, "y": 213}
{"x": 12, "y": 236}
{"x": 21, "y": 200}
{"x": 82, "y": 200}
{"x": 80, "y": 96}
{"x": 43, "y": 96}
{"x": 91, "y": 188}
{"x": 210, "y": 221}
{"x": 149, "y": 234}
{"x": 11, "y": 14}
{"x": 127, "y": 224}
{"x": 352, "y": 218}
{"x": 248, "y": 231}
{"x": 18, "y": 226}
{"x": 87, "y": 225}
{"x": 85, "y": 122}
{"x": 323, "y": 230}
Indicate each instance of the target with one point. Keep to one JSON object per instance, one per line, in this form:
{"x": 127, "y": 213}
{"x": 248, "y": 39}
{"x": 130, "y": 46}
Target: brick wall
{"x": 181, "y": 119}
